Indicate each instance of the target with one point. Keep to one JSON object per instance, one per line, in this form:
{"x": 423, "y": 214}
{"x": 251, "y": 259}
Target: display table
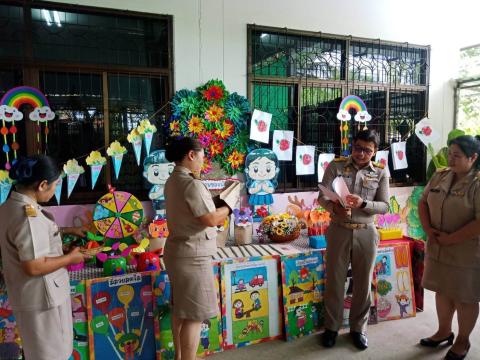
{"x": 128, "y": 316}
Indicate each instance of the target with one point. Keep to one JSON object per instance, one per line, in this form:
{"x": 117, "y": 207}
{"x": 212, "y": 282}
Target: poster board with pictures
{"x": 303, "y": 284}
{"x": 211, "y": 330}
{"x": 10, "y": 342}
{"x": 250, "y": 301}
{"x": 78, "y": 297}
{"x": 395, "y": 290}
{"x": 120, "y": 317}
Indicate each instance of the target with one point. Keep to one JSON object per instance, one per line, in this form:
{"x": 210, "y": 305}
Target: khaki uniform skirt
{"x": 194, "y": 295}
{"x": 47, "y": 334}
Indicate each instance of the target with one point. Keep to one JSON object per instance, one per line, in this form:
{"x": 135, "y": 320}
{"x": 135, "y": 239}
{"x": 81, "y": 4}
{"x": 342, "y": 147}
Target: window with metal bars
{"x": 102, "y": 71}
{"x": 301, "y": 77}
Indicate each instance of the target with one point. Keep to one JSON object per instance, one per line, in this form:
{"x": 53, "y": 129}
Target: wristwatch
{"x": 364, "y": 203}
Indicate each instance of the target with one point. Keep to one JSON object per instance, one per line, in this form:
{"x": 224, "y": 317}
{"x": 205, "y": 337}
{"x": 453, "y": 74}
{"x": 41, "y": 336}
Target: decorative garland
{"x": 217, "y": 119}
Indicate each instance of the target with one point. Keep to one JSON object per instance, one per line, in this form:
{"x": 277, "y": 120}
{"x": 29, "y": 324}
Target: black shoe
{"x": 434, "y": 343}
{"x": 359, "y": 340}
{"x": 454, "y": 356}
{"x": 329, "y": 338}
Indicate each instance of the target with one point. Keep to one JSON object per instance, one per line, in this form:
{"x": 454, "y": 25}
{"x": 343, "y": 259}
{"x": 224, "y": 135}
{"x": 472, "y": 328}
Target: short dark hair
{"x": 32, "y": 170}
{"x": 369, "y": 136}
{"x": 178, "y": 148}
{"x": 469, "y": 145}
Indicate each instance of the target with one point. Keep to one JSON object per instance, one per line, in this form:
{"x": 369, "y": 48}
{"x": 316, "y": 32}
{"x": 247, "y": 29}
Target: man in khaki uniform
{"x": 352, "y": 236}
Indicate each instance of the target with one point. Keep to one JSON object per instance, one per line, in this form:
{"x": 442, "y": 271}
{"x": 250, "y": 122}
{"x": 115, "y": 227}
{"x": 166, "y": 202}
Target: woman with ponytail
{"x": 37, "y": 282}
{"x": 450, "y": 215}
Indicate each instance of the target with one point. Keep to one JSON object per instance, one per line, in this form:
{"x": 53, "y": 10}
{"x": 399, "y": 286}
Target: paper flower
{"x": 214, "y": 113}
{"x": 72, "y": 167}
{"x": 146, "y": 126}
{"x": 215, "y": 148}
{"x": 236, "y": 159}
{"x": 116, "y": 149}
{"x": 207, "y": 165}
{"x": 174, "y": 128}
{"x": 226, "y": 130}
{"x": 213, "y": 93}
{"x": 5, "y": 178}
{"x": 95, "y": 158}
{"x": 195, "y": 125}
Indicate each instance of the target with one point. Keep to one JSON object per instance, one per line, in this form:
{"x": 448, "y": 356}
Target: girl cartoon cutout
{"x": 261, "y": 171}
{"x": 301, "y": 318}
{"x": 238, "y": 307}
{"x": 157, "y": 169}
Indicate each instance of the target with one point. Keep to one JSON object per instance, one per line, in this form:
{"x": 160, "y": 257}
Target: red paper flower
{"x": 227, "y": 131}
{"x": 213, "y": 93}
{"x": 426, "y": 130}
{"x": 216, "y": 148}
{"x": 236, "y": 159}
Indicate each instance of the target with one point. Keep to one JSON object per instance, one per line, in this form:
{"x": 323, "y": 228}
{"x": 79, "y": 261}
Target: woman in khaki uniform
{"x": 33, "y": 262}
{"x": 450, "y": 214}
{"x": 192, "y": 217}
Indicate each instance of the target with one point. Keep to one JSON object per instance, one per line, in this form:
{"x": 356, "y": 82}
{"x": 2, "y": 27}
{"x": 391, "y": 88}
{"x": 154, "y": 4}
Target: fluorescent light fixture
{"x": 46, "y": 16}
{"x": 56, "y": 17}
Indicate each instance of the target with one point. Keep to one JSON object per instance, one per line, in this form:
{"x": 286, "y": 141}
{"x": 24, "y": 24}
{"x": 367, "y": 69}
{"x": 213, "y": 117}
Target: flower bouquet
{"x": 280, "y": 228}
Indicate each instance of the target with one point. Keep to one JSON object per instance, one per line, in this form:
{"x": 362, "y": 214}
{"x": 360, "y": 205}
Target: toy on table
{"x": 115, "y": 265}
{"x": 317, "y": 223}
{"x": 158, "y": 231}
{"x": 117, "y": 214}
{"x": 243, "y": 226}
{"x": 148, "y": 261}
{"x": 88, "y": 245}
{"x": 280, "y": 228}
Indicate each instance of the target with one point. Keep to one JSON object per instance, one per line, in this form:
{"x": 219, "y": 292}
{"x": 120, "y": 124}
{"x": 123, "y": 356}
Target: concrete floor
{"x": 388, "y": 340}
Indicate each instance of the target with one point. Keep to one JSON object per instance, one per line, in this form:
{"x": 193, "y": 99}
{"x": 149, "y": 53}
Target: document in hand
{"x": 231, "y": 194}
{"x": 339, "y": 193}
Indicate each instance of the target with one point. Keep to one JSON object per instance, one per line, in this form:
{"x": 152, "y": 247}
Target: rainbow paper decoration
{"x": 58, "y": 188}
{"x": 73, "y": 171}
{"x": 96, "y": 161}
{"x": 5, "y": 185}
{"x": 146, "y": 129}
{"x": 135, "y": 138}
{"x": 10, "y": 111}
{"x": 116, "y": 152}
{"x": 351, "y": 102}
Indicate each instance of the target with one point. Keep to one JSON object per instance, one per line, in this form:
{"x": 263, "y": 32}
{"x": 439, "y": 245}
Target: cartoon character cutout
{"x": 204, "y": 334}
{"x": 128, "y": 343}
{"x": 238, "y": 308}
{"x": 261, "y": 171}
{"x": 255, "y": 296}
{"x": 157, "y": 169}
{"x": 301, "y": 317}
{"x": 403, "y": 302}
{"x": 241, "y": 286}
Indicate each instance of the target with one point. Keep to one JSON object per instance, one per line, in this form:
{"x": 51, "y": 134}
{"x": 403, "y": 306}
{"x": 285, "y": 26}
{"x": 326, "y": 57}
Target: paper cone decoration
{"x": 71, "y": 181}
{"x": 96, "y": 169}
{"x": 117, "y": 164}
{"x": 58, "y": 190}
{"x": 137, "y": 148}
{"x": 148, "y": 143}
{"x": 5, "y": 190}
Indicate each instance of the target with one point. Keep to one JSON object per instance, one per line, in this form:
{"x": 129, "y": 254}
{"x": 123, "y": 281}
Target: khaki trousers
{"x": 345, "y": 246}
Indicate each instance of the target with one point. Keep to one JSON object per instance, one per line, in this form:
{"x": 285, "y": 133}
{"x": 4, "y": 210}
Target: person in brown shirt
{"x": 352, "y": 236}
{"x": 33, "y": 262}
{"x": 450, "y": 214}
{"x": 191, "y": 217}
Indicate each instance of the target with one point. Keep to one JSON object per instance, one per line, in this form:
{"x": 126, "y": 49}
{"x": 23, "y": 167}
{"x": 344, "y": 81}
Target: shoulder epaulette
{"x": 30, "y": 210}
{"x": 442, "y": 169}
{"x": 378, "y": 165}
{"x": 341, "y": 158}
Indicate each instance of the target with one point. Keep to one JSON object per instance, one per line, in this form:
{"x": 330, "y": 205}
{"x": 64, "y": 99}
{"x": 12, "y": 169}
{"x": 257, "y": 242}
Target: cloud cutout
{"x": 363, "y": 116}
{"x": 9, "y": 113}
{"x": 42, "y": 114}
{"x": 343, "y": 115}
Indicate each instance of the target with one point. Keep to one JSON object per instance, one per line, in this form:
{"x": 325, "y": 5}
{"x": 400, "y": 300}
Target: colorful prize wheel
{"x": 118, "y": 214}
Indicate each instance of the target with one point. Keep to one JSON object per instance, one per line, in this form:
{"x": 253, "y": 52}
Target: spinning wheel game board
{"x": 118, "y": 214}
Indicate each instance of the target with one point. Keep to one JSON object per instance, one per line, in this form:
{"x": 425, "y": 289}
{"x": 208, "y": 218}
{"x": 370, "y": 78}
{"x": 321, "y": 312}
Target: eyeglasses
{"x": 360, "y": 149}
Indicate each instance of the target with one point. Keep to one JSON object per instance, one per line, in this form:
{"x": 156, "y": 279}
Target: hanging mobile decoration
{"x": 10, "y": 112}
{"x": 351, "y": 102}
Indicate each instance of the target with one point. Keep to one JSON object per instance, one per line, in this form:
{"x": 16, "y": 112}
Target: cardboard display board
{"x": 303, "y": 287}
{"x": 78, "y": 295}
{"x": 120, "y": 317}
{"x": 250, "y": 301}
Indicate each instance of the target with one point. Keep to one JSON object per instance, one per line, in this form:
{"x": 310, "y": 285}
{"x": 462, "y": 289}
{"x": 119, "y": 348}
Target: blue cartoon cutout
{"x": 261, "y": 171}
{"x": 157, "y": 169}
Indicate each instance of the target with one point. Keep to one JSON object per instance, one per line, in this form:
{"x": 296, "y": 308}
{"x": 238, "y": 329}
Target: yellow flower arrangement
{"x": 95, "y": 158}
{"x": 146, "y": 127}
{"x": 116, "y": 149}
{"x": 72, "y": 167}
{"x": 280, "y": 225}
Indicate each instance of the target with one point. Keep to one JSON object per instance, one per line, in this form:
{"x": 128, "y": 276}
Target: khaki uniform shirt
{"x": 370, "y": 183}
{"x": 187, "y": 199}
{"x": 24, "y": 236}
{"x": 451, "y": 208}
